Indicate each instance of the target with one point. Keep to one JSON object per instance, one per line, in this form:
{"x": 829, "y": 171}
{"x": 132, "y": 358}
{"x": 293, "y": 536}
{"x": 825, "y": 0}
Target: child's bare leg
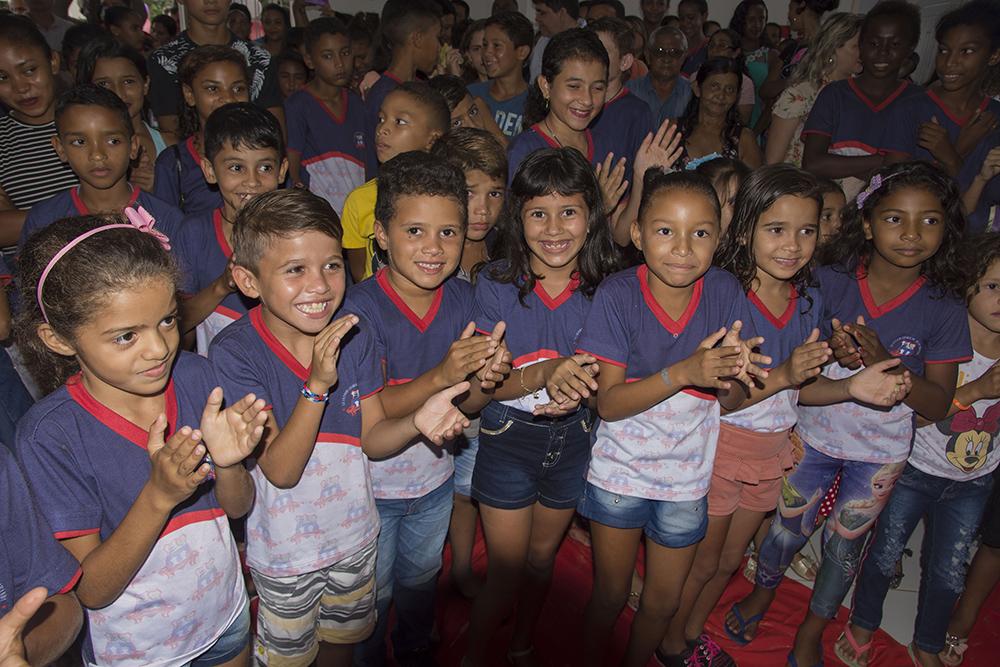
{"x": 615, "y": 551}
{"x": 984, "y": 573}
{"x": 462, "y": 536}
{"x": 334, "y": 655}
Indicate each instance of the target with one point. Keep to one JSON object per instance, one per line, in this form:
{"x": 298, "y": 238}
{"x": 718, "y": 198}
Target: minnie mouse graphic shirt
{"x": 963, "y": 446}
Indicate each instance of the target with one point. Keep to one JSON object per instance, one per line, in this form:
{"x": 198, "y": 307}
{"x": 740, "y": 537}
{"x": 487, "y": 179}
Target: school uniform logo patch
{"x": 359, "y": 139}
{"x": 905, "y": 346}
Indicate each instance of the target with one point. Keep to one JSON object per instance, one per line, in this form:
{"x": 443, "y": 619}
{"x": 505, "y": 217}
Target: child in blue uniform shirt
{"x": 118, "y": 451}
{"x": 244, "y": 157}
{"x": 326, "y": 120}
{"x": 420, "y": 318}
{"x": 507, "y": 39}
{"x": 564, "y": 100}
{"x": 311, "y": 533}
{"x": 96, "y": 137}
{"x": 30, "y": 557}
{"x": 844, "y": 134}
{"x": 210, "y": 77}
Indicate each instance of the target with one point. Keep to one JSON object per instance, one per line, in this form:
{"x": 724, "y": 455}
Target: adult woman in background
{"x": 833, "y": 57}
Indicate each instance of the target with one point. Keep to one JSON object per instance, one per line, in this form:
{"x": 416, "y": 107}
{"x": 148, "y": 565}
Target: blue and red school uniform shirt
{"x": 373, "y": 103}
{"x": 667, "y": 451}
{"x": 29, "y": 555}
{"x": 409, "y": 345}
{"x": 180, "y": 181}
{"x": 203, "y": 254}
{"x": 623, "y": 124}
{"x": 855, "y": 124}
{"x": 782, "y": 332}
{"x": 903, "y": 123}
{"x": 330, "y": 514}
{"x": 985, "y": 218}
{"x": 535, "y": 138}
{"x": 68, "y": 204}
{"x": 87, "y": 465}
{"x": 508, "y": 114}
{"x": 544, "y": 327}
{"x": 332, "y": 148}
{"x": 922, "y": 325}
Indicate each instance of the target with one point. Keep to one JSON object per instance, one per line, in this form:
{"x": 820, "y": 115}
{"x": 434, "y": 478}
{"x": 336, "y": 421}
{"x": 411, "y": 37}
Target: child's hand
{"x": 934, "y": 138}
{"x": 555, "y": 410}
{"x": 611, "y": 177}
{"x": 869, "y": 346}
{"x": 709, "y": 364}
{"x": 499, "y": 366}
{"x": 572, "y": 379}
{"x": 974, "y": 131}
{"x": 988, "y": 383}
{"x": 232, "y": 434}
{"x": 144, "y": 172}
{"x": 453, "y": 62}
{"x": 662, "y": 150}
{"x": 438, "y": 419}
{"x": 177, "y": 467}
{"x": 225, "y": 283}
{"x": 326, "y": 353}
{"x": 991, "y": 164}
{"x": 750, "y": 361}
{"x": 846, "y": 354}
{"x": 13, "y": 624}
{"x": 879, "y": 385}
{"x": 808, "y": 359}
{"x": 466, "y": 355}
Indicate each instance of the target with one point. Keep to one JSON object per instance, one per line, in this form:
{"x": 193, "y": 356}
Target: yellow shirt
{"x": 358, "y": 221}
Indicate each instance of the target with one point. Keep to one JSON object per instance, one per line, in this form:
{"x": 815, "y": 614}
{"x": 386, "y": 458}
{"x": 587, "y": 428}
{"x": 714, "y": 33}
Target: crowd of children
{"x": 295, "y": 313}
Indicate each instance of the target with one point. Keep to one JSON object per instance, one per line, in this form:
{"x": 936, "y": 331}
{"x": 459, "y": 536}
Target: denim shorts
{"x": 524, "y": 459}
{"x": 465, "y": 463}
{"x": 669, "y": 523}
{"x": 229, "y": 645}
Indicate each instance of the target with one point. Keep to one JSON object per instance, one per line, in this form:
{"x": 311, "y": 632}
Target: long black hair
{"x": 575, "y": 43}
{"x": 566, "y": 172}
{"x": 946, "y": 269}
{"x": 758, "y": 192}
{"x": 734, "y": 125}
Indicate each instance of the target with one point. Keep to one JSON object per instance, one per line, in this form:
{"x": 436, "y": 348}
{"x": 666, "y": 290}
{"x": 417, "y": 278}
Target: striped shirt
{"x": 30, "y": 170}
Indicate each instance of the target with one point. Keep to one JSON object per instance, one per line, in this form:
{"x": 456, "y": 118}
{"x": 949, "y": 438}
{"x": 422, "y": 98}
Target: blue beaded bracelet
{"x": 313, "y": 396}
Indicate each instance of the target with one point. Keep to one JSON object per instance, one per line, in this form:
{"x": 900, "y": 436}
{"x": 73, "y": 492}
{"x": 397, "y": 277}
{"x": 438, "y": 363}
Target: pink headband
{"x": 139, "y": 219}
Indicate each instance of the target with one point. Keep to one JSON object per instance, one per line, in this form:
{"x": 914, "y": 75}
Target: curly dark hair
{"x": 112, "y": 261}
{"x": 981, "y": 250}
{"x": 738, "y": 22}
{"x": 734, "y": 125}
{"x": 418, "y": 173}
{"x": 945, "y": 269}
{"x": 566, "y": 172}
{"x": 758, "y": 192}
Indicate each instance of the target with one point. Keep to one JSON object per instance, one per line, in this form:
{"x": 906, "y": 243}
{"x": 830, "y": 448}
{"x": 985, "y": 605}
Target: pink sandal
{"x": 954, "y": 650}
{"x": 857, "y": 649}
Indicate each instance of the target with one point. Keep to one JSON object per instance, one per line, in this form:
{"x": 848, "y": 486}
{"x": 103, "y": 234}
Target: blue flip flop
{"x": 794, "y": 663}
{"x": 740, "y": 636}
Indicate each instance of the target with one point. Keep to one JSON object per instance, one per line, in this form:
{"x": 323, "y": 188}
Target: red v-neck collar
{"x": 81, "y": 207}
{"x": 786, "y": 317}
{"x": 947, "y": 112}
{"x": 675, "y": 327}
{"x": 276, "y": 346}
{"x": 621, "y": 93}
{"x": 393, "y": 77}
{"x": 192, "y": 150}
{"x": 878, "y": 310}
{"x": 339, "y": 120}
{"x": 220, "y": 234}
{"x": 890, "y": 98}
{"x": 553, "y": 303}
{"x": 114, "y": 421}
{"x": 421, "y": 323}
{"x": 551, "y": 141}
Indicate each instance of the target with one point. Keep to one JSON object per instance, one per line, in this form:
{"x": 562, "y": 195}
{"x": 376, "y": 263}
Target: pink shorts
{"x": 748, "y": 470}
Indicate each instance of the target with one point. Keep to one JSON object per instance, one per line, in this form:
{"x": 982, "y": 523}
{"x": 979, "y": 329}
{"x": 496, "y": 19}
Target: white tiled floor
{"x": 900, "y": 610}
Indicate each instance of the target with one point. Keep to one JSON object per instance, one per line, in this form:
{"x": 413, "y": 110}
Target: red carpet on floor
{"x": 558, "y": 635}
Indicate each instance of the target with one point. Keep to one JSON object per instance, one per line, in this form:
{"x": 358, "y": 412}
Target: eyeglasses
{"x": 659, "y": 52}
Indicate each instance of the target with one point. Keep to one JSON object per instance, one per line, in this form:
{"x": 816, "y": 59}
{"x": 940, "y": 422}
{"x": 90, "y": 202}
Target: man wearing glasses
{"x": 665, "y": 91}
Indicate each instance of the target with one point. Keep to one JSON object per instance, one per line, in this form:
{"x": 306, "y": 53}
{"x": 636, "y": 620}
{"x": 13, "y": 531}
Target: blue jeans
{"x": 953, "y": 510}
{"x": 409, "y": 557}
{"x": 864, "y": 490}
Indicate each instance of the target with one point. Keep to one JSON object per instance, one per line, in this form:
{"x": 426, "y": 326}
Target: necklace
{"x": 545, "y": 122}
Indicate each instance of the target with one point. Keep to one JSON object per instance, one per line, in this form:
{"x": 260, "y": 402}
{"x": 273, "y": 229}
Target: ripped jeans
{"x": 864, "y": 491}
{"x": 953, "y": 510}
